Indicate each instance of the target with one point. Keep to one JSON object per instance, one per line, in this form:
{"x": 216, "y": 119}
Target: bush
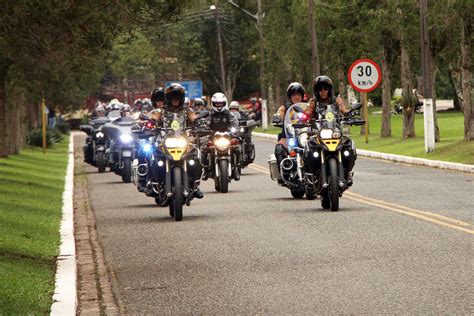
{"x": 35, "y": 137}
{"x": 64, "y": 128}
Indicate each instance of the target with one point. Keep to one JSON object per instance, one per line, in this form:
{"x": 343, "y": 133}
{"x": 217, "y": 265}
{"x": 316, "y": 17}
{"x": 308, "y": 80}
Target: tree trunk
{"x": 386, "y": 106}
{"x": 468, "y": 95}
{"x": 407, "y": 95}
{"x": 454, "y": 76}
{"x": 342, "y": 83}
{"x": 434, "y": 71}
{"x": 3, "y": 128}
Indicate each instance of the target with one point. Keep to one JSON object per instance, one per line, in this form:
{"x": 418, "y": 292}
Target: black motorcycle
{"x": 122, "y": 149}
{"x": 96, "y": 142}
{"x": 248, "y": 147}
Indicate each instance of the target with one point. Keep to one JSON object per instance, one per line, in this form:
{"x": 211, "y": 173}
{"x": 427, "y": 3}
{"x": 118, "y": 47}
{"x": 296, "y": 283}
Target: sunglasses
{"x": 323, "y": 88}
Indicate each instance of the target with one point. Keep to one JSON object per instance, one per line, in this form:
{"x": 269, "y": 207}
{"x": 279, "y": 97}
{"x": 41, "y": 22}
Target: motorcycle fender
{"x": 126, "y": 153}
{"x": 332, "y": 144}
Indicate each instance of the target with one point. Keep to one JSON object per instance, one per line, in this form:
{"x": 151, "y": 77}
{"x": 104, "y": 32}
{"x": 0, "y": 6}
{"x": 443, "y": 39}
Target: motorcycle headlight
{"x": 99, "y": 135}
{"x": 303, "y": 139}
{"x": 242, "y": 129}
{"x": 126, "y": 138}
{"x": 222, "y": 143}
{"x": 326, "y": 133}
{"x": 147, "y": 147}
{"x": 173, "y": 142}
{"x": 233, "y": 130}
{"x": 291, "y": 142}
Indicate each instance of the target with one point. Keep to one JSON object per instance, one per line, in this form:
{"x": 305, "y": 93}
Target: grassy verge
{"x": 31, "y": 187}
{"x": 451, "y": 148}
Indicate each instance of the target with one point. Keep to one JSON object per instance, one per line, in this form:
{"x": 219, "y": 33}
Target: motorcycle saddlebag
{"x": 274, "y": 168}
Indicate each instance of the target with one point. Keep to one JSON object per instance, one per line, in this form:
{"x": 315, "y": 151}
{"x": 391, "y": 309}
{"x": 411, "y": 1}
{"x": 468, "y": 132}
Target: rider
{"x": 323, "y": 92}
{"x": 295, "y": 93}
{"x": 199, "y": 105}
{"x": 99, "y": 111}
{"x": 234, "y": 108}
{"x": 221, "y": 121}
{"x": 174, "y": 97}
{"x": 157, "y": 98}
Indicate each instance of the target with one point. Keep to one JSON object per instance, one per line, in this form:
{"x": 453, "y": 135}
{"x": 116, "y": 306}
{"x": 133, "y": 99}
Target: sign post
{"x": 364, "y": 76}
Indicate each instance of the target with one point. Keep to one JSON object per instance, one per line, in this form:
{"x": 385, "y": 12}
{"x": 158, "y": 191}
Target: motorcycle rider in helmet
{"x": 175, "y": 110}
{"x": 137, "y": 105}
{"x": 99, "y": 111}
{"x": 221, "y": 120}
{"x": 157, "y": 98}
{"x": 234, "y": 108}
{"x": 199, "y": 105}
{"x": 324, "y": 95}
{"x": 295, "y": 94}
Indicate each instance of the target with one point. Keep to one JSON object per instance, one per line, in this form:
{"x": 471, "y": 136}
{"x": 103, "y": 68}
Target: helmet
{"x": 234, "y": 105}
{"x": 322, "y": 81}
{"x": 99, "y": 109}
{"x": 198, "y": 102}
{"x": 253, "y": 100}
{"x": 157, "y": 95}
{"x": 295, "y": 87}
{"x": 187, "y": 102}
{"x": 116, "y": 107}
{"x": 175, "y": 90}
{"x": 125, "y": 108}
{"x": 219, "y": 102}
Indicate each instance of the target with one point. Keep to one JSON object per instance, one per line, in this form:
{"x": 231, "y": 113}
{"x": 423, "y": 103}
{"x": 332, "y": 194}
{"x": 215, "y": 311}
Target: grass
{"x": 31, "y": 188}
{"x": 451, "y": 148}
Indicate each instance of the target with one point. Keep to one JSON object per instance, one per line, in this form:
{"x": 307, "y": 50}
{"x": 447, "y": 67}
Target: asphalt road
{"x": 401, "y": 244}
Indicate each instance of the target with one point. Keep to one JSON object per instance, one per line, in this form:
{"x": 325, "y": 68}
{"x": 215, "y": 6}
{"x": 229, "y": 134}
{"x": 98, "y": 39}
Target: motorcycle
{"x": 96, "y": 142}
{"x": 170, "y": 161}
{"x": 290, "y": 172}
{"x": 248, "y": 147}
{"x": 122, "y": 149}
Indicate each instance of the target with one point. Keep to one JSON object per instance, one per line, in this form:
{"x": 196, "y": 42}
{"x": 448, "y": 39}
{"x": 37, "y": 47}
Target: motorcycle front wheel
{"x": 176, "y": 203}
{"x": 333, "y": 189}
{"x": 224, "y": 176}
{"x": 127, "y": 170}
{"x": 101, "y": 162}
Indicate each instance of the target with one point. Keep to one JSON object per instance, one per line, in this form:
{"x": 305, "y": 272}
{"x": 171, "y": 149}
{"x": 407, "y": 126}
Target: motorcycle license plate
{"x": 127, "y": 153}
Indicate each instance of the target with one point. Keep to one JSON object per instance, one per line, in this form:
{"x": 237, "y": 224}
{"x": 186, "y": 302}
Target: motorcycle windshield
{"x": 113, "y": 115}
{"x": 295, "y": 115}
{"x": 329, "y": 116}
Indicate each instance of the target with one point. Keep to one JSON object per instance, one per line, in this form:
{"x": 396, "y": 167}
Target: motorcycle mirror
{"x": 357, "y": 122}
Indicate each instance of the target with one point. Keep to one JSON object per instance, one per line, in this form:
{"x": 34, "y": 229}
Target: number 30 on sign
{"x": 364, "y": 75}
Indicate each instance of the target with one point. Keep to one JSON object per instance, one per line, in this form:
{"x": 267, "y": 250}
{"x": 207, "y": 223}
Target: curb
{"x": 65, "y": 294}
{"x": 399, "y": 158}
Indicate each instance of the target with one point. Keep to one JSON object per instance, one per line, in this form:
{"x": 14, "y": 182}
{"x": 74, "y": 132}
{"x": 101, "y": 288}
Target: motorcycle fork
{"x": 324, "y": 182}
{"x": 299, "y": 166}
{"x": 340, "y": 175}
{"x": 168, "y": 180}
{"x": 185, "y": 178}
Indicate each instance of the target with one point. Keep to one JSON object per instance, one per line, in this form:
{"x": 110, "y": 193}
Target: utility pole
{"x": 314, "y": 40}
{"x": 221, "y": 51}
{"x": 263, "y": 91}
{"x": 428, "y": 114}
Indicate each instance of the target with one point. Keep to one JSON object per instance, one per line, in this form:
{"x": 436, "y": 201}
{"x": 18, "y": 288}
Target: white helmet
{"x": 187, "y": 101}
{"x": 234, "y": 105}
{"x": 219, "y": 102}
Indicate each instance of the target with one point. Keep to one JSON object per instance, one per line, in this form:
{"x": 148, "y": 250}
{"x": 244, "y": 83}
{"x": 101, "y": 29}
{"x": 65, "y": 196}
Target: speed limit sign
{"x": 364, "y": 75}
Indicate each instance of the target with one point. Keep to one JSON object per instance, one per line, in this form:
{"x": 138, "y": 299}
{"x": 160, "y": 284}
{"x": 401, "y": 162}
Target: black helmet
{"x": 157, "y": 95}
{"x": 175, "y": 90}
{"x": 295, "y": 87}
{"x": 322, "y": 81}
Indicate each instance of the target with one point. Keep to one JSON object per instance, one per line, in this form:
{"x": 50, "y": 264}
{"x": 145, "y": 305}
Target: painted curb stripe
{"x": 65, "y": 294}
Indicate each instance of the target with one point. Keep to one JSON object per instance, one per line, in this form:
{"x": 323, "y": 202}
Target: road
{"x": 401, "y": 244}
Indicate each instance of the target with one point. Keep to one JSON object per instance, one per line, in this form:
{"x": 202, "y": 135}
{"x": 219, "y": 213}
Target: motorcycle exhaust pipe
{"x": 287, "y": 164}
{"x": 142, "y": 170}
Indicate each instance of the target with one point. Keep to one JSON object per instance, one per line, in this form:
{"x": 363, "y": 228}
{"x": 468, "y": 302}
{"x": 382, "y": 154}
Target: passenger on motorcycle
{"x": 295, "y": 94}
{"x": 221, "y": 120}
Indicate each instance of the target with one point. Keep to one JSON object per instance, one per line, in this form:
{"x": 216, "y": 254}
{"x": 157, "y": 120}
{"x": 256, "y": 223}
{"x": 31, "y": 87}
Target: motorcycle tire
{"x": 325, "y": 204}
{"x": 224, "y": 176}
{"x": 333, "y": 189}
{"x": 310, "y": 194}
{"x": 217, "y": 184}
{"x": 176, "y": 204}
{"x": 297, "y": 194}
{"x": 127, "y": 170}
{"x": 101, "y": 162}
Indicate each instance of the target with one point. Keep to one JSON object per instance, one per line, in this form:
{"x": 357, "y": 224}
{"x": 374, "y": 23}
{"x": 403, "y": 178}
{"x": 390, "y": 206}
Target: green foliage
{"x": 31, "y": 188}
{"x": 35, "y": 137}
